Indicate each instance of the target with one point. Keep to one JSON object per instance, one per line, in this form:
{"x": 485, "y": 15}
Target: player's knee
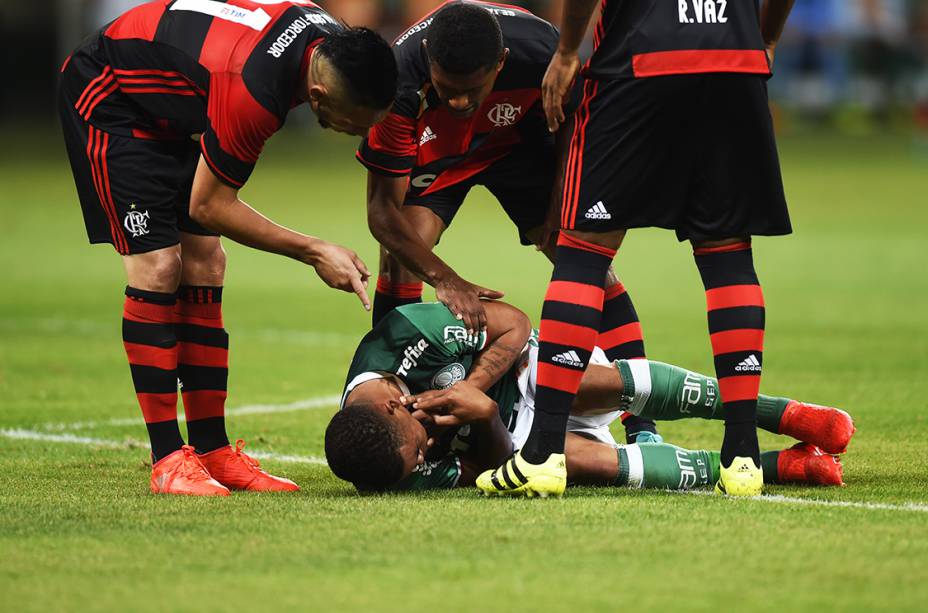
{"x": 204, "y": 263}
{"x": 157, "y": 271}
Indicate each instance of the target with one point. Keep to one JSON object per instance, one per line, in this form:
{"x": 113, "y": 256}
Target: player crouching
{"x": 427, "y": 408}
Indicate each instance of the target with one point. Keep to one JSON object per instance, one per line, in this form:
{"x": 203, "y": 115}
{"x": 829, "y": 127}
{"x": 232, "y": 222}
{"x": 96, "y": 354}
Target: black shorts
{"x": 692, "y": 153}
{"x": 134, "y": 192}
{"x": 521, "y": 181}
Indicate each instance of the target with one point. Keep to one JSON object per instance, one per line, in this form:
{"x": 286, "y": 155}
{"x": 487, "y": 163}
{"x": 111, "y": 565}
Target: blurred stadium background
{"x": 851, "y": 65}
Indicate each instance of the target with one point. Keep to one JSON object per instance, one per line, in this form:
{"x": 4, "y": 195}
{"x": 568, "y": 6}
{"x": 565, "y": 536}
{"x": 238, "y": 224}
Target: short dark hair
{"x": 365, "y": 63}
{"x": 362, "y": 445}
{"x": 463, "y": 38}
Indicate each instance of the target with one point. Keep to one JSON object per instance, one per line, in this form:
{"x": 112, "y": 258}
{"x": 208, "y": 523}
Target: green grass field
{"x": 847, "y": 300}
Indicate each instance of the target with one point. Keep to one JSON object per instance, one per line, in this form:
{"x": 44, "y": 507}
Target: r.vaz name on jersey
{"x": 703, "y": 11}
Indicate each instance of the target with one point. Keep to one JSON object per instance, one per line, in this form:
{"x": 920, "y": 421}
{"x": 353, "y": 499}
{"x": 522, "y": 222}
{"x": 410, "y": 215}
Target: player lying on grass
{"x": 427, "y": 405}
{"x": 165, "y": 112}
{"x": 468, "y": 112}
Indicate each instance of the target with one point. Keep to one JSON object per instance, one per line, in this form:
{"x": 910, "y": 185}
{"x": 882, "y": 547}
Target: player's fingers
{"x": 361, "y": 266}
{"x": 423, "y": 417}
{"x": 447, "y": 420}
{"x": 492, "y": 294}
{"x": 358, "y": 288}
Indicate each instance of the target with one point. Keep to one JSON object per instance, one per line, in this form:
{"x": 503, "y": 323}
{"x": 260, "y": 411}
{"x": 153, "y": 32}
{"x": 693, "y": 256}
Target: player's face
{"x": 385, "y": 395}
{"x": 463, "y": 94}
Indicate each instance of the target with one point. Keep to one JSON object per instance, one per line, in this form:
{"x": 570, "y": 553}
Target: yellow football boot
{"x": 517, "y": 477}
{"x": 742, "y": 478}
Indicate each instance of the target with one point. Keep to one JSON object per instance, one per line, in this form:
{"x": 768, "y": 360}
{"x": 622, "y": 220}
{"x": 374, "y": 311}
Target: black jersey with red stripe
{"x": 228, "y": 70}
{"x": 649, "y": 38}
{"x": 422, "y": 133}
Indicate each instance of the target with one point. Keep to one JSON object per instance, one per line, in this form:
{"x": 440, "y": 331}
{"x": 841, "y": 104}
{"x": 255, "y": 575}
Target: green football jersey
{"x": 424, "y": 347}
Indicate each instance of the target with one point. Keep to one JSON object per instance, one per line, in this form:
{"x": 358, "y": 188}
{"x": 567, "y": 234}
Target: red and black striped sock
{"x": 620, "y": 338}
{"x": 570, "y": 321}
{"x": 390, "y": 295}
{"x": 203, "y": 365}
{"x": 151, "y": 346}
{"x": 735, "y": 304}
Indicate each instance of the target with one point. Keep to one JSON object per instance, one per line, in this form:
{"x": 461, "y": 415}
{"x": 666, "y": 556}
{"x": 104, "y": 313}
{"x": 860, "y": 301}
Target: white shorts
{"x": 591, "y": 426}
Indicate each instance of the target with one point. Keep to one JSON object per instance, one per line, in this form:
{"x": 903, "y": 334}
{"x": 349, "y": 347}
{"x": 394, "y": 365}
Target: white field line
{"x": 67, "y": 437}
{"x": 319, "y": 402}
{"x": 94, "y": 327}
{"x": 780, "y": 499}
{"x": 33, "y": 435}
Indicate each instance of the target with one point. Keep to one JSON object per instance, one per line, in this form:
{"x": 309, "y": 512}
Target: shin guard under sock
{"x": 620, "y": 338}
{"x": 203, "y": 365}
{"x": 151, "y": 346}
{"x": 735, "y": 306}
{"x": 570, "y": 321}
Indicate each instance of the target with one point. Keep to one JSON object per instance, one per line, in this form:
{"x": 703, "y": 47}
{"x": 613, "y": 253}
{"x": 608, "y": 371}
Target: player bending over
{"x": 134, "y": 98}
{"x": 468, "y": 112}
{"x": 428, "y": 405}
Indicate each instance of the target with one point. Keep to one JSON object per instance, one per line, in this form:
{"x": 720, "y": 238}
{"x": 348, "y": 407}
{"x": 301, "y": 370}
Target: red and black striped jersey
{"x": 649, "y": 38}
{"x": 228, "y": 70}
{"x": 420, "y": 132}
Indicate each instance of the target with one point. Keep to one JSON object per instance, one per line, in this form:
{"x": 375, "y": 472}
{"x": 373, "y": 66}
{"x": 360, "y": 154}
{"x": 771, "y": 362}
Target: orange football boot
{"x": 238, "y": 471}
{"x": 182, "y": 473}
{"x": 825, "y": 427}
{"x": 805, "y": 463}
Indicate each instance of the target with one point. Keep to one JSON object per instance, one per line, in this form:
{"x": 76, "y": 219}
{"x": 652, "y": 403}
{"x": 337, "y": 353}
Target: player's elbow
{"x": 203, "y": 212}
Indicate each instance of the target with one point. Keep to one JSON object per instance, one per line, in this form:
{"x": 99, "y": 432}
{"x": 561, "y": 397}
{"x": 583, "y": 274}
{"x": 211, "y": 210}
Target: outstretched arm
{"x": 217, "y": 206}
{"x": 392, "y": 230}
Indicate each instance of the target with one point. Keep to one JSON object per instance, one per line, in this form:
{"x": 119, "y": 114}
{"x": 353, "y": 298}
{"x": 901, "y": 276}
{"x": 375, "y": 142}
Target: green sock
{"x": 663, "y": 466}
{"x": 664, "y": 392}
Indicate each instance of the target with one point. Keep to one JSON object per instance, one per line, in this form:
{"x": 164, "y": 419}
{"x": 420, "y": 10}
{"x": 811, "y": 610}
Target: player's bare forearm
{"x": 508, "y": 329}
{"x": 393, "y": 231}
{"x": 773, "y": 19}
{"x": 574, "y": 22}
{"x": 218, "y": 207}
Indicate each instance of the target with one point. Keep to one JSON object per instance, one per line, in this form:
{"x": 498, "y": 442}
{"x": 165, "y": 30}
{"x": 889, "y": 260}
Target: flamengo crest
{"x": 504, "y": 114}
{"x": 136, "y": 222}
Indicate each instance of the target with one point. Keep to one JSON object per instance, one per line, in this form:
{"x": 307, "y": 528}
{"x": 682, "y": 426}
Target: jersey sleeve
{"x": 443, "y": 330}
{"x": 390, "y": 147}
{"x": 238, "y": 128}
{"x": 439, "y": 474}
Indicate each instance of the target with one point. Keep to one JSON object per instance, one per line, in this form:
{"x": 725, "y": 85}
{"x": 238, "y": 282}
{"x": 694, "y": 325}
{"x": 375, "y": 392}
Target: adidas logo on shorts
{"x": 749, "y": 364}
{"x": 427, "y": 135}
{"x": 598, "y": 211}
{"x": 568, "y": 358}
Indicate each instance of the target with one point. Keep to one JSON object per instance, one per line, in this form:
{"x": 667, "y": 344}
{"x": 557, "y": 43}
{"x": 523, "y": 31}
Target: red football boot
{"x": 239, "y": 471}
{"x": 805, "y": 463}
{"x": 182, "y": 473}
{"x": 825, "y": 427}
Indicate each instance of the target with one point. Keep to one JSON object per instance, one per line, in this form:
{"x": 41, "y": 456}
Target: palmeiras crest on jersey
{"x": 448, "y": 376}
{"x": 136, "y": 222}
{"x": 504, "y": 114}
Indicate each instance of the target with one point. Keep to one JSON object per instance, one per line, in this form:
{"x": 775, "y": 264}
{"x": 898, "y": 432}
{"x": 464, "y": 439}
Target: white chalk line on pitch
{"x": 69, "y": 438}
{"x": 318, "y": 402}
{"x": 93, "y": 327}
{"x": 74, "y": 439}
{"x": 780, "y": 499}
